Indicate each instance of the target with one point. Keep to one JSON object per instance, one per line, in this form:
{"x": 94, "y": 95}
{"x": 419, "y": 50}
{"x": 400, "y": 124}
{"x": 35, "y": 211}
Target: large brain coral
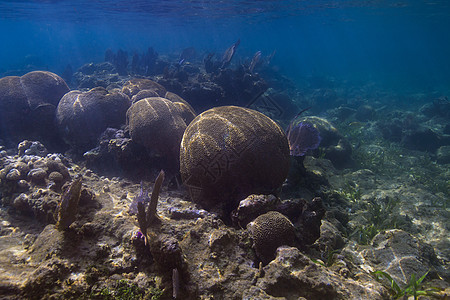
{"x": 83, "y": 116}
{"x": 157, "y": 124}
{"x": 228, "y": 153}
{"x": 270, "y": 231}
{"x": 28, "y": 104}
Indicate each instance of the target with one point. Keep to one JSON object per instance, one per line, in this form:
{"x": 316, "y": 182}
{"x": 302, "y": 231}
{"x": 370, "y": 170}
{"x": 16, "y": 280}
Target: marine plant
{"x": 330, "y": 257}
{"x": 125, "y": 290}
{"x": 147, "y": 217}
{"x": 413, "y": 288}
{"x": 380, "y": 216}
{"x": 351, "y": 192}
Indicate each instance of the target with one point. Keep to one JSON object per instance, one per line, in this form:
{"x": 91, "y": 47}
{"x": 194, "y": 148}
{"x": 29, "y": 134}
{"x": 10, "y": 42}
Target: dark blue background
{"x": 402, "y": 45}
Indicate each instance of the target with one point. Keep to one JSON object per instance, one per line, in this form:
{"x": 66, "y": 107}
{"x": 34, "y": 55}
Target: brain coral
{"x": 28, "y": 104}
{"x": 83, "y": 116}
{"x": 228, "y": 153}
{"x": 157, "y": 124}
{"x": 135, "y": 85}
{"x": 270, "y": 231}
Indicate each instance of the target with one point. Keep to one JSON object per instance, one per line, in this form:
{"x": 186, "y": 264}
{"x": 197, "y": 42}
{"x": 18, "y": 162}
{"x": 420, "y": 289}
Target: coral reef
{"x": 228, "y": 153}
{"x": 27, "y": 107}
{"x": 83, "y": 116}
{"x": 156, "y": 123}
{"x": 372, "y": 199}
{"x": 91, "y": 75}
{"x": 270, "y": 231}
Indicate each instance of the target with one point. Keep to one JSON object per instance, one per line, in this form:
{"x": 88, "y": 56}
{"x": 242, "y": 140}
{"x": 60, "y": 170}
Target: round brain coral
{"x": 270, "y": 231}
{"x": 157, "y": 124}
{"x": 83, "y": 116}
{"x": 28, "y": 104}
{"x": 228, "y": 153}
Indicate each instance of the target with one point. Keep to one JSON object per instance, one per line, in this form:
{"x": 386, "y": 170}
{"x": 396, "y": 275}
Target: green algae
{"x": 125, "y": 290}
{"x": 414, "y": 287}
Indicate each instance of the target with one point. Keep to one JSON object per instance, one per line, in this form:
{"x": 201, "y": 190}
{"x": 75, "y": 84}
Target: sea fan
{"x": 302, "y": 137}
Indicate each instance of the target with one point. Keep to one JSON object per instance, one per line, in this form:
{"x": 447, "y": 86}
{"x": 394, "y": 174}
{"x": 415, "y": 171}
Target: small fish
{"x": 255, "y": 60}
{"x": 228, "y": 55}
{"x": 141, "y": 198}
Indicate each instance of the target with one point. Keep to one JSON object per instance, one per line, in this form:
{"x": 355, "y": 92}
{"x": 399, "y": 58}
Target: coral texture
{"x": 228, "y": 153}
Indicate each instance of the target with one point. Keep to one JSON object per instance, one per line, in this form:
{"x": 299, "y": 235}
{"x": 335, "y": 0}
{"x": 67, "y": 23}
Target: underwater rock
{"x": 270, "y": 231}
{"x": 83, "y": 116}
{"x": 156, "y": 123}
{"x": 167, "y": 253}
{"x": 118, "y": 155}
{"x": 443, "y": 155}
{"x": 135, "y": 85}
{"x": 228, "y": 153}
{"x": 335, "y": 146}
{"x": 439, "y": 107}
{"x": 310, "y": 220}
{"x": 365, "y": 113}
{"x": 43, "y": 279}
{"x": 422, "y": 139}
{"x": 292, "y": 275}
{"x": 400, "y": 254}
{"x": 330, "y": 237}
{"x": 28, "y": 104}
{"x": 251, "y": 207}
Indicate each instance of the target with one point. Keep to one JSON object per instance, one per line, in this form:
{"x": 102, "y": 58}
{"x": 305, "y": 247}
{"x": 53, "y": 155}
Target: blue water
{"x": 402, "y": 45}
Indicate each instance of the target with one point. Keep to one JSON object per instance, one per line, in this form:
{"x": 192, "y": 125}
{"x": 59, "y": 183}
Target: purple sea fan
{"x": 142, "y": 197}
{"x": 302, "y": 137}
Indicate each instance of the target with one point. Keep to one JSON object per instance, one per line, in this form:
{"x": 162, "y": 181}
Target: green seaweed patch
{"x": 414, "y": 287}
{"x": 351, "y": 192}
{"x": 125, "y": 290}
{"x": 381, "y": 214}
